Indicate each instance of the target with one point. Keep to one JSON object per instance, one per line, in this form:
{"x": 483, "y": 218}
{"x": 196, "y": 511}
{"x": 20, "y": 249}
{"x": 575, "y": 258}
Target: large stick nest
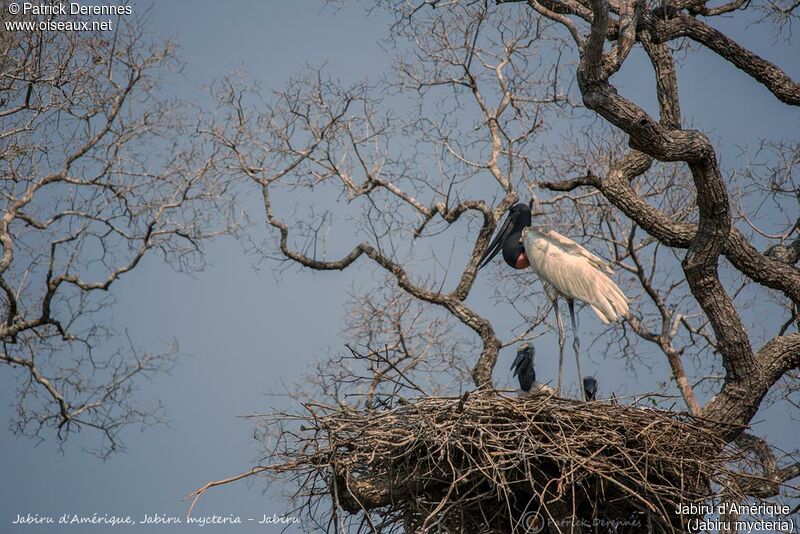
{"x": 490, "y": 463}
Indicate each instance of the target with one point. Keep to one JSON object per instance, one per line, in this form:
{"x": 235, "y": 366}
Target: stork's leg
{"x": 576, "y": 346}
{"x": 562, "y": 338}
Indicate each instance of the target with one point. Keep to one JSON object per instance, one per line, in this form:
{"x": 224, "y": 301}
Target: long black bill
{"x": 520, "y": 362}
{"x": 496, "y": 245}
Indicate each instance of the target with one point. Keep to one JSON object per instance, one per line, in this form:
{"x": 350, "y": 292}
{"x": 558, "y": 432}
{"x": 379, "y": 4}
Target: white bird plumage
{"x": 574, "y": 272}
{"x": 569, "y": 271}
{"x": 537, "y": 389}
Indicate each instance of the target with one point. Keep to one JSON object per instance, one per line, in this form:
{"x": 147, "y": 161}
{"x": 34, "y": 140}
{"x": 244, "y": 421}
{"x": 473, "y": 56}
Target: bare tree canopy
{"x": 99, "y": 171}
{"x": 427, "y": 161}
{"x": 485, "y": 104}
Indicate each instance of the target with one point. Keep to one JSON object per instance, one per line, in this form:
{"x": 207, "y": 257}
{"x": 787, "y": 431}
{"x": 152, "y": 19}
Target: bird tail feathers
{"x": 611, "y": 303}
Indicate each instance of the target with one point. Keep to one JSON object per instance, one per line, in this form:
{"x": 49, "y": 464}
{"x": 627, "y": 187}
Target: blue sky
{"x": 242, "y": 331}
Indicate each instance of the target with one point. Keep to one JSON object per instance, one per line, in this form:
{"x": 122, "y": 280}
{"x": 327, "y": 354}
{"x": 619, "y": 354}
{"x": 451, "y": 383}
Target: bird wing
{"x": 574, "y": 272}
{"x": 573, "y": 247}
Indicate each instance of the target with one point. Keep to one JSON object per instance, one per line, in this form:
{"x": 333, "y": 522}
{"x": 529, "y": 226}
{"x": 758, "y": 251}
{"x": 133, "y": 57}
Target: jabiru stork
{"x": 524, "y": 370}
{"x": 589, "y": 388}
{"x": 566, "y": 269}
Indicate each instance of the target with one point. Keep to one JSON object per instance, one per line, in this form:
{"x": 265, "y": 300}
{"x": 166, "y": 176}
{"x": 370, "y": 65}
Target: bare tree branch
{"x": 91, "y": 187}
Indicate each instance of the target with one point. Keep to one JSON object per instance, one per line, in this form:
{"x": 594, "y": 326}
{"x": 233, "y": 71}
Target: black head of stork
{"x": 589, "y": 388}
{"x": 523, "y": 367}
{"x": 508, "y": 239}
